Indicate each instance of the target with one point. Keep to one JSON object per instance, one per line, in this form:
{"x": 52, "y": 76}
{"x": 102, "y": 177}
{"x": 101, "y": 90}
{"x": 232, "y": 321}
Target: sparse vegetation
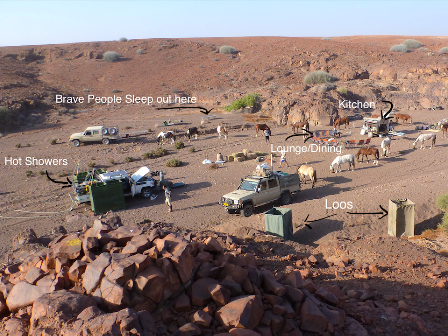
{"x": 41, "y": 172}
{"x": 129, "y": 159}
{"x": 7, "y": 119}
{"x": 161, "y": 152}
{"x": 173, "y": 163}
{"x": 179, "y": 145}
{"x": 116, "y": 91}
{"x": 18, "y": 145}
{"x": 442, "y": 203}
{"x": 399, "y": 48}
{"x": 250, "y": 100}
{"x": 192, "y": 150}
{"x": 53, "y": 142}
{"x": 318, "y": 76}
{"x": 213, "y": 166}
{"x": 62, "y": 174}
{"x": 29, "y": 173}
{"x": 140, "y": 52}
{"x": 227, "y": 50}
{"x": 342, "y": 90}
{"x": 412, "y": 44}
{"x": 111, "y": 56}
{"x": 91, "y": 164}
{"x": 326, "y": 38}
{"x": 123, "y": 39}
{"x": 112, "y": 161}
{"x": 149, "y": 155}
{"x": 443, "y": 50}
{"x": 127, "y": 127}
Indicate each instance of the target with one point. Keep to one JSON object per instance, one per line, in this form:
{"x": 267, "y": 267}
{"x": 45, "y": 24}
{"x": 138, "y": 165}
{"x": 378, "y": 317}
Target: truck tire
{"x": 286, "y": 198}
{"x": 76, "y": 143}
{"x": 104, "y": 131}
{"x": 106, "y": 141}
{"x": 247, "y": 210}
{"x": 146, "y": 192}
{"x": 113, "y": 131}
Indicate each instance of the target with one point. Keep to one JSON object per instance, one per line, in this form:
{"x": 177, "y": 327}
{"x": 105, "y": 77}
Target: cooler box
{"x": 279, "y": 222}
{"x": 106, "y": 197}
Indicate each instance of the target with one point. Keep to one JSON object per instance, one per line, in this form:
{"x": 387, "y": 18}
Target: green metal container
{"x": 279, "y": 222}
{"x": 106, "y": 197}
{"x": 401, "y": 217}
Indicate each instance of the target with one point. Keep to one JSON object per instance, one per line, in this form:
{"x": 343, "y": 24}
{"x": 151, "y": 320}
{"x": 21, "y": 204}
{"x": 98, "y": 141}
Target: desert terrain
{"x": 31, "y": 77}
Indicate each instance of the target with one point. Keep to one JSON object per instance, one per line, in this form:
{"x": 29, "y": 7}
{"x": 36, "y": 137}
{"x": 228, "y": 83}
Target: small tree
{"x": 173, "y": 163}
{"x": 442, "y": 203}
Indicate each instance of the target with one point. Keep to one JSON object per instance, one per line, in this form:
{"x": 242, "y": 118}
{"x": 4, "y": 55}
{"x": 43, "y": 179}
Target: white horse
{"x": 385, "y": 145}
{"x": 343, "y": 159}
{"x": 423, "y": 137}
{"x": 168, "y": 135}
{"x": 222, "y": 131}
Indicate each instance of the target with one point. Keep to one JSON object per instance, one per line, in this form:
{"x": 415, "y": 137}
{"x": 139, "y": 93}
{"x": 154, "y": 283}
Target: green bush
{"x": 129, "y": 159}
{"x": 173, "y": 163}
{"x": 149, "y": 155}
{"x": 111, "y": 56}
{"x": 442, "y": 202}
{"x": 41, "y": 172}
{"x": 412, "y": 44}
{"x": 326, "y": 38}
{"x": 140, "y": 52}
{"x": 250, "y": 100}
{"x": 91, "y": 164}
{"x": 342, "y": 90}
{"x": 112, "y": 161}
{"x": 7, "y": 119}
{"x": 29, "y": 173}
{"x": 444, "y": 225}
{"x": 179, "y": 145}
{"x": 318, "y": 76}
{"x": 227, "y": 50}
{"x": 53, "y": 142}
{"x": 123, "y": 39}
{"x": 161, "y": 151}
{"x": 18, "y": 145}
{"x": 192, "y": 150}
{"x": 444, "y": 50}
{"x": 399, "y": 48}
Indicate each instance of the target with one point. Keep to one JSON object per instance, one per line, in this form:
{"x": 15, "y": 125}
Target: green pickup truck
{"x": 254, "y": 191}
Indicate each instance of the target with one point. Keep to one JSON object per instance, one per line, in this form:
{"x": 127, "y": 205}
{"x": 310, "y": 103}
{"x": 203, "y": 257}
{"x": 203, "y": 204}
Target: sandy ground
{"x": 419, "y": 175}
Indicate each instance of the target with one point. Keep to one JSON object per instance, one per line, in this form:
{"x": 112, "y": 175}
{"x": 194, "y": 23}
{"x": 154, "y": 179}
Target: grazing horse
{"x": 261, "y": 127}
{"x": 444, "y": 129}
{"x": 385, "y": 145}
{"x": 366, "y": 151}
{"x": 168, "y": 135}
{"x": 403, "y": 117}
{"x": 222, "y": 131}
{"x": 423, "y": 137}
{"x": 307, "y": 171}
{"x": 192, "y": 131}
{"x": 301, "y": 125}
{"x": 342, "y": 159}
{"x": 340, "y": 121}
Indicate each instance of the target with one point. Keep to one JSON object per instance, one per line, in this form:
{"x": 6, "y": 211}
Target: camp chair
{"x": 333, "y": 143}
{"x": 368, "y": 141}
{"x": 361, "y": 143}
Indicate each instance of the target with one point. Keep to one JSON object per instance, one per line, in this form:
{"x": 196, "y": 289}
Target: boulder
{"x": 244, "y": 312}
{"x": 243, "y": 332}
{"x": 120, "y": 236}
{"x": 94, "y": 272}
{"x": 33, "y": 275}
{"x": 219, "y": 294}
{"x": 311, "y": 317}
{"x": 202, "y": 319}
{"x": 294, "y": 279}
{"x": 76, "y": 271}
{"x": 115, "y": 295}
{"x": 150, "y": 283}
{"x": 189, "y": 329}
{"x": 24, "y": 294}
{"x": 70, "y": 247}
{"x": 200, "y": 295}
{"x": 237, "y": 273}
{"x": 182, "y": 303}
{"x": 272, "y": 285}
{"x": 137, "y": 244}
{"x": 212, "y": 245}
{"x": 120, "y": 271}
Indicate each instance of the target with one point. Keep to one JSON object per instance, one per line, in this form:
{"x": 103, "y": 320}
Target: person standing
{"x": 267, "y": 133}
{"x": 283, "y": 158}
{"x": 168, "y": 198}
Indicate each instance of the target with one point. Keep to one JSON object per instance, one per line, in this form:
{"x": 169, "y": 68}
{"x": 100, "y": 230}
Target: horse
{"x": 222, "y": 131}
{"x": 192, "y": 131}
{"x": 301, "y": 125}
{"x": 385, "y": 145}
{"x": 261, "y": 127}
{"x": 366, "y": 151}
{"x": 308, "y": 171}
{"x": 375, "y": 116}
{"x": 423, "y": 137}
{"x": 340, "y": 121}
{"x": 343, "y": 159}
{"x": 403, "y": 117}
{"x": 444, "y": 128}
{"x": 168, "y": 135}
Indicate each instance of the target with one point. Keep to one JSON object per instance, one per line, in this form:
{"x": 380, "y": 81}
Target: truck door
{"x": 88, "y": 136}
{"x": 273, "y": 189}
{"x": 262, "y": 195}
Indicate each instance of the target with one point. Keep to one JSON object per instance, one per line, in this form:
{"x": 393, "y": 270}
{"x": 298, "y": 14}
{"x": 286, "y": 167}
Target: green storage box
{"x": 106, "y": 197}
{"x": 401, "y": 218}
{"x": 279, "y": 222}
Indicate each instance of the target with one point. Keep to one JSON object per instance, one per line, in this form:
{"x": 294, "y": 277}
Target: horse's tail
{"x": 377, "y": 154}
{"x": 315, "y": 175}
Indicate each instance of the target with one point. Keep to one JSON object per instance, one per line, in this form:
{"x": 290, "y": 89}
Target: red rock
{"x": 116, "y": 296}
{"x": 121, "y": 235}
{"x": 189, "y": 329}
{"x": 312, "y": 259}
{"x": 335, "y": 290}
{"x": 200, "y": 294}
{"x": 402, "y": 306}
{"x": 271, "y": 285}
{"x": 247, "y": 286}
{"x": 243, "y": 332}
{"x": 182, "y": 303}
{"x": 390, "y": 298}
{"x": 311, "y": 317}
{"x": 183, "y": 260}
{"x": 442, "y": 284}
{"x": 335, "y": 317}
{"x": 278, "y": 310}
{"x": 60, "y": 263}
{"x": 309, "y": 286}
{"x": 120, "y": 271}
{"x": 94, "y": 272}
{"x": 76, "y": 271}
{"x": 306, "y": 274}
{"x": 15, "y": 327}
{"x": 245, "y": 312}
{"x": 141, "y": 262}
{"x": 137, "y": 244}
{"x": 212, "y": 245}
{"x": 234, "y": 288}
{"x": 90, "y": 244}
{"x": 219, "y": 294}
{"x": 204, "y": 257}
{"x": 3, "y": 306}
{"x": 33, "y": 275}
{"x": 327, "y": 296}
{"x": 353, "y": 327}
{"x": 294, "y": 294}
{"x": 205, "y": 270}
{"x": 263, "y": 330}
{"x": 150, "y": 282}
{"x": 277, "y": 322}
{"x": 294, "y": 279}
{"x": 237, "y": 273}
{"x": 201, "y": 318}
{"x": 28, "y": 263}
{"x": 24, "y": 294}
{"x": 17, "y": 277}
{"x": 152, "y": 252}
{"x": 70, "y": 247}
{"x": 54, "y": 309}
{"x": 88, "y": 257}
{"x": 11, "y": 269}
{"x": 273, "y": 299}
{"x": 289, "y": 311}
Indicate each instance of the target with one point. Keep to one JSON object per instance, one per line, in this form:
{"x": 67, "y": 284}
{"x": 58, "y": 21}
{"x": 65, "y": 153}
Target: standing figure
{"x": 267, "y": 133}
{"x": 168, "y": 198}
{"x": 283, "y": 158}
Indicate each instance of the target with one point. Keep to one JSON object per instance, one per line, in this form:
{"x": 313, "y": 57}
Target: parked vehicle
{"x": 254, "y": 191}
{"x": 375, "y": 127}
{"x": 95, "y": 134}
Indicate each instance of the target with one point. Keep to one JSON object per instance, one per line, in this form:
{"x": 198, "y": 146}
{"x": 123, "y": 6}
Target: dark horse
{"x": 365, "y": 151}
{"x": 261, "y": 127}
{"x": 193, "y": 131}
{"x": 444, "y": 129}
{"x": 341, "y": 121}
{"x": 301, "y": 125}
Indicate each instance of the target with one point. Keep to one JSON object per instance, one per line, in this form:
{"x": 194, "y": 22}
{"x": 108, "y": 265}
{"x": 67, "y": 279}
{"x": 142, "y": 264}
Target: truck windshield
{"x": 249, "y": 185}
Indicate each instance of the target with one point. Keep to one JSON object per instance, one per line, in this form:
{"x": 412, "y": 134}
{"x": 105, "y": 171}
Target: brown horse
{"x": 261, "y": 127}
{"x": 341, "y": 121}
{"x": 444, "y": 129}
{"x": 365, "y": 151}
{"x": 300, "y": 125}
{"x": 307, "y": 171}
{"x": 403, "y": 117}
